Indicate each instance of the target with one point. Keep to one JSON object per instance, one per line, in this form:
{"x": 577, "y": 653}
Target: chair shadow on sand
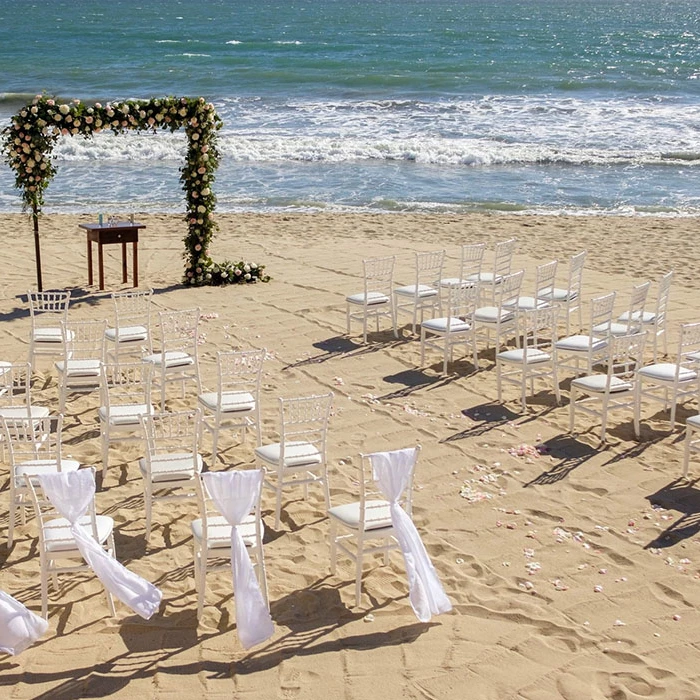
{"x": 681, "y": 495}
{"x": 312, "y": 617}
{"x": 341, "y": 346}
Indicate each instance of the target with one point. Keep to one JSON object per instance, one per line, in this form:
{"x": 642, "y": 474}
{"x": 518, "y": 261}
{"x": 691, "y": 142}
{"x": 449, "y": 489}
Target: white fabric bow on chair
{"x": 235, "y": 494}
{"x": 19, "y": 626}
{"x": 391, "y": 471}
{"x": 71, "y": 494}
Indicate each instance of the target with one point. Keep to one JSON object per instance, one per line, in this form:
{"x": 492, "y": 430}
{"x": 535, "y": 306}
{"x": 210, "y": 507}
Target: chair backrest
{"x": 15, "y": 384}
{"x": 379, "y": 274}
{"x": 689, "y": 344}
{"x": 638, "y": 300}
{"x": 372, "y": 500}
{"x": 625, "y": 356}
{"x": 509, "y": 289}
{"x": 503, "y": 256}
{"x": 171, "y": 433}
{"x": 538, "y": 328}
{"x": 471, "y": 260}
{"x": 602, "y": 309}
{"x": 125, "y": 383}
{"x": 179, "y": 330}
{"x": 52, "y": 526}
{"x": 132, "y": 307}
{"x": 240, "y": 371}
{"x": 83, "y": 340}
{"x": 662, "y": 298}
{"x": 49, "y": 304}
{"x": 462, "y": 301}
{"x": 429, "y": 266}
{"x": 544, "y": 277}
{"x": 31, "y": 438}
{"x": 576, "y": 265}
{"x": 305, "y": 419}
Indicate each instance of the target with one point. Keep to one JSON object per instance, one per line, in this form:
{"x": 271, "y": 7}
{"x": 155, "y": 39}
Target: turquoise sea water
{"x": 586, "y": 106}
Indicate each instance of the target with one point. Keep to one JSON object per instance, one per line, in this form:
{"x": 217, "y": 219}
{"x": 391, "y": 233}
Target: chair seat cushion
{"x": 219, "y": 532}
{"x": 125, "y": 414}
{"x": 370, "y": 299}
{"x": 596, "y": 383}
{"x": 647, "y": 317}
{"x": 525, "y": 303}
{"x": 37, "y": 467}
{"x": 79, "y": 368}
{"x": 173, "y": 358}
{"x": 666, "y": 372}
{"x": 172, "y": 467}
{"x": 58, "y": 537}
{"x": 231, "y": 401}
{"x": 490, "y": 314}
{"x": 556, "y": 294}
{"x": 11, "y": 413}
{"x": 442, "y": 325}
{"x": 453, "y": 282}
{"x": 127, "y": 334}
{"x": 530, "y": 356}
{"x": 695, "y": 356}
{"x": 296, "y": 454}
{"x": 694, "y": 422}
{"x": 581, "y": 343}
{"x": 422, "y": 291}
{"x": 49, "y": 335}
{"x": 377, "y": 515}
{"x": 612, "y": 328}
{"x": 488, "y": 277}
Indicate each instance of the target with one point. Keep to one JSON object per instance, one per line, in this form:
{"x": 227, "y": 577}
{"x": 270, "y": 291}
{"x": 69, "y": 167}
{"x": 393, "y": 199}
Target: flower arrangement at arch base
{"x": 29, "y": 140}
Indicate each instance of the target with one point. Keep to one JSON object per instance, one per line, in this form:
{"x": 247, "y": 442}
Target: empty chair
{"x": 34, "y": 447}
{"x": 499, "y": 319}
{"x": 228, "y": 533}
{"x": 444, "y": 334}
{"x": 83, "y": 355}
{"x": 598, "y": 394}
{"x": 235, "y": 402}
{"x": 568, "y": 298}
{"x": 671, "y": 383}
{"x": 383, "y": 513}
{"x": 632, "y": 323}
{"x": 502, "y": 263}
{"x": 578, "y": 353}
{"x": 15, "y": 392}
{"x": 177, "y": 360}
{"x": 470, "y": 264}
{"x": 299, "y": 458}
{"x": 654, "y": 321}
{"x": 377, "y": 298}
{"x": 544, "y": 280}
{"x": 59, "y": 551}
{"x": 537, "y": 356}
{"x": 692, "y": 440}
{"x": 125, "y": 396}
{"x": 172, "y": 462}
{"x": 131, "y": 334}
{"x": 424, "y": 293}
{"x": 47, "y": 310}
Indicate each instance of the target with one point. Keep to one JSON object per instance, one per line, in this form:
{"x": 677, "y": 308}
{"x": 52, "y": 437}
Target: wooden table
{"x": 103, "y": 234}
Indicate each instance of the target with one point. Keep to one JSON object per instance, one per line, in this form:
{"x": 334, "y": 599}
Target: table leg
{"x": 100, "y": 264}
{"x": 136, "y": 263}
{"x": 89, "y": 259}
{"x": 125, "y": 276}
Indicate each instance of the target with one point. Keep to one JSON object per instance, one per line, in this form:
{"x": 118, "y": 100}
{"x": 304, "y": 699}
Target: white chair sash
{"x": 19, "y": 627}
{"x": 235, "y": 494}
{"x": 391, "y": 471}
{"x": 71, "y": 493}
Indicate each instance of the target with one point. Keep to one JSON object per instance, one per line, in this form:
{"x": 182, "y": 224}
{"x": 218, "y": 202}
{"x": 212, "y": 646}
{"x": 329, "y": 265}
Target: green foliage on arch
{"x": 29, "y": 140}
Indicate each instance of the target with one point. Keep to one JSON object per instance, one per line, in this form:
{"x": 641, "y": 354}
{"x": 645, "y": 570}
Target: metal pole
{"x": 37, "y": 248}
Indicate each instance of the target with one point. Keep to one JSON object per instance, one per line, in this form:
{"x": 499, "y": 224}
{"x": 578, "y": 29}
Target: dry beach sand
{"x": 573, "y": 574}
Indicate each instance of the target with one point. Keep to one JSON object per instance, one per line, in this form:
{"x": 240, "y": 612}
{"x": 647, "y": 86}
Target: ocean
{"x": 526, "y": 106}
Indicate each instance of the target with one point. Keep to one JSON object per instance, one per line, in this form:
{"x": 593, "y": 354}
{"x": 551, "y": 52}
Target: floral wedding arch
{"x": 29, "y": 140}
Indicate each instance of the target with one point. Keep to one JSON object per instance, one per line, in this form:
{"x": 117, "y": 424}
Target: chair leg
{"x": 572, "y": 409}
{"x": 215, "y": 444}
{"x": 278, "y": 504}
{"x": 358, "y": 573}
{"x": 686, "y": 451}
{"x": 499, "y": 387}
{"x": 333, "y": 533}
{"x": 202, "y": 583}
{"x": 262, "y": 576}
{"x": 637, "y": 407}
{"x": 105, "y": 456}
{"x": 148, "y": 497}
